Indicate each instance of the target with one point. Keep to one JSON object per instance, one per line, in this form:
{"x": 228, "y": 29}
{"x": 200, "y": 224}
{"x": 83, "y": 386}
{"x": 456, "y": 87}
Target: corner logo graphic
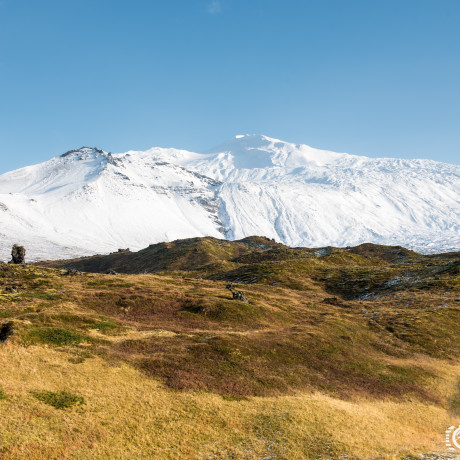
{"x": 453, "y": 438}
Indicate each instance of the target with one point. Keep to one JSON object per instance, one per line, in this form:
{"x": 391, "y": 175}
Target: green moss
{"x": 103, "y": 325}
{"x": 5, "y": 298}
{"x": 55, "y": 336}
{"x": 44, "y": 296}
{"x": 3, "y": 395}
{"x": 60, "y": 400}
{"x": 106, "y": 327}
{"x": 6, "y": 313}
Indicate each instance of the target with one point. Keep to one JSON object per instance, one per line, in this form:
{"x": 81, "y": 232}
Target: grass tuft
{"x": 454, "y": 401}
{"x": 59, "y": 400}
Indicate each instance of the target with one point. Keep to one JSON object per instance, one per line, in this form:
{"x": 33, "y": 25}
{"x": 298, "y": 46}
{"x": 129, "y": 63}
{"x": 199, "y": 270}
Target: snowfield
{"x": 87, "y": 201}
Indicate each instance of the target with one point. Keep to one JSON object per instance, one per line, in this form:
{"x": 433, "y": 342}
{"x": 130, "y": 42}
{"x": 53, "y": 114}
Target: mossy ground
{"x": 169, "y": 366}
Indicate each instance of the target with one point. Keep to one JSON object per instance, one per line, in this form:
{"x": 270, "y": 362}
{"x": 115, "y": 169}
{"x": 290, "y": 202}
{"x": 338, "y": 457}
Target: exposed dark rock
{"x": 237, "y": 295}
{"x": 72, "y": 272}
{"x": 6, "y": 331}
{"x": 18, "y": 254}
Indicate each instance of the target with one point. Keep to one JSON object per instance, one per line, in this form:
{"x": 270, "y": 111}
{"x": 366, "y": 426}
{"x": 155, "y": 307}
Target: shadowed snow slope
{"x": 87, "y": 201}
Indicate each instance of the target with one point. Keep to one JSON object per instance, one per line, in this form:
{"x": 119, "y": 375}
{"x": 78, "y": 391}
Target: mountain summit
{"x": 88, "y": 201}
{"x": 256, "y": 151}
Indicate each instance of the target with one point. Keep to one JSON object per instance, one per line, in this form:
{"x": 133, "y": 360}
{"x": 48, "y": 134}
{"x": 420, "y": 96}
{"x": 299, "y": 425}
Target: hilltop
{"x": 363, "y": 270}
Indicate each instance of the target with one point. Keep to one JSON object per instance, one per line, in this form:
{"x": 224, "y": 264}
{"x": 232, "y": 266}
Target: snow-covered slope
{"x": 88, "y": 201}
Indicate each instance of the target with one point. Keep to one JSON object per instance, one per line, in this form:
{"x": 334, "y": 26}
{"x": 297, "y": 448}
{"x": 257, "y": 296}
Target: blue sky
{"x": 377, "y": 78}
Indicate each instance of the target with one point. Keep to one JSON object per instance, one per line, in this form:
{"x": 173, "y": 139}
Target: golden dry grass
{"x": 294, "y": 374}
{"x": 128, "y": 416}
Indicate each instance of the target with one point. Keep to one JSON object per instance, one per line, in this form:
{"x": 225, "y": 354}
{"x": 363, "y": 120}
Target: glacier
{"x": 88, "y": 201}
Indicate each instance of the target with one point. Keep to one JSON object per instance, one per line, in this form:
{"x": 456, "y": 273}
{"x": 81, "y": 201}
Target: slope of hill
{"x": 88, "y": 201}
{"x": 339, "y": 353}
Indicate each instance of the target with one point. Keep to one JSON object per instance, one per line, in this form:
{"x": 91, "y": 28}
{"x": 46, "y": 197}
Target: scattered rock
{"x": 237, "y": 295}
{"x": 72, "y": 272}
{"x": 18, "y": 255}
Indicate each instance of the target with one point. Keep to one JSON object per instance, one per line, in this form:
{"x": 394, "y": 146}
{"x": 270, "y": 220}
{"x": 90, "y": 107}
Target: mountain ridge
{"x": 88, "y": 201}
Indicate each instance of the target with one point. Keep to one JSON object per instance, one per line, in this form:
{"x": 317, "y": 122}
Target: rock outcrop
{"x": 18, "y": 255}
{"x": 237, "y": 295}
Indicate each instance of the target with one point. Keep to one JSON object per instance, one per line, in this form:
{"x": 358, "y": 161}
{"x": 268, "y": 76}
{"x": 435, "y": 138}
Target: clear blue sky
{"x": 370, "y": 77}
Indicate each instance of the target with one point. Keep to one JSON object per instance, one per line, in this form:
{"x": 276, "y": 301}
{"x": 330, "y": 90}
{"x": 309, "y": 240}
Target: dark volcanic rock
{"x": 6, "y": 331}
{"x": 18, "y": 254}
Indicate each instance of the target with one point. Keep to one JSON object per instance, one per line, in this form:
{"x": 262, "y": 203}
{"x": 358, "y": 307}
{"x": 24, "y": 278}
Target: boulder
{"x": 18, "y": 254}
{"x": 6, "y": 331}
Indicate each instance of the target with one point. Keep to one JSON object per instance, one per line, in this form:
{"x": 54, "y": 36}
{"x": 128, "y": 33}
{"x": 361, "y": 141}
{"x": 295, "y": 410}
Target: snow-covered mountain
{"x": 88, "y": 201}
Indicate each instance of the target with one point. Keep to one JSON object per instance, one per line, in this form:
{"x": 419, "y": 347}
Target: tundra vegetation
{"x": 337, "y": 353}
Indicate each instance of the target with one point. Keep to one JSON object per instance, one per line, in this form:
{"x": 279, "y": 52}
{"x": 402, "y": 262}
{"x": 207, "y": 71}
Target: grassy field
{"x": 338, "y": 354}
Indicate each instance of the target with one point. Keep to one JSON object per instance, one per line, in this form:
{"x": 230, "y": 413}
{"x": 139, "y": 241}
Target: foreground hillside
{"x": 338, "y": 354}
{"x": 252, "y": 184}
